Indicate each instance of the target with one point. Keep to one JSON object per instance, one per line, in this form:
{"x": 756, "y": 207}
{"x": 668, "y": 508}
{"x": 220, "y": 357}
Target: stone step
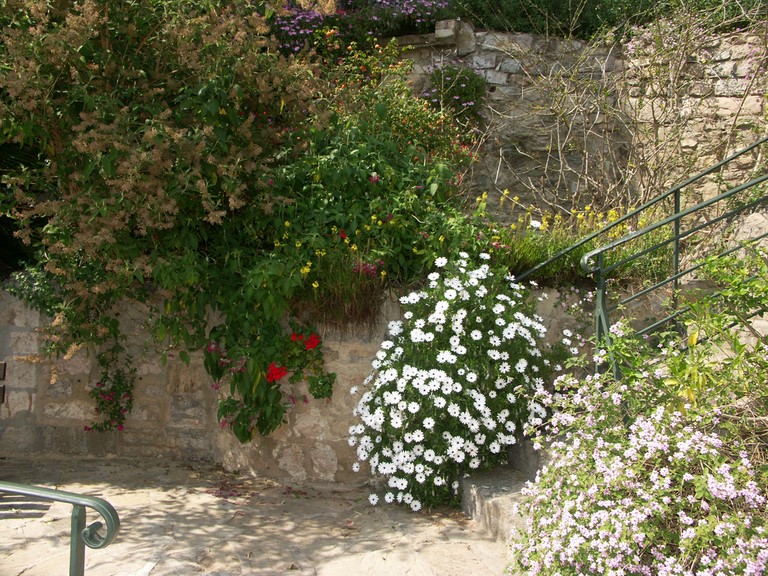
{"x": 490, "y": 497}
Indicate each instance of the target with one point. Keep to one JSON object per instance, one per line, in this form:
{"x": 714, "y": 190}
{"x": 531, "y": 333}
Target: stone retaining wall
{"x": 717, "y": 103}
{"x": 174, "y": 416}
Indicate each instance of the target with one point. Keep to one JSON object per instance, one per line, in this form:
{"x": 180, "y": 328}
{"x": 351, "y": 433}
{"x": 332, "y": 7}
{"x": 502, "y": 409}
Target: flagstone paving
{"x": 180, "y": 518}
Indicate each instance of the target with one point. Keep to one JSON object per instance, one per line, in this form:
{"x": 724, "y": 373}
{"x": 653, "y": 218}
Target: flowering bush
{"x": 653, "y": 474}
{"x": 216, "y": 189}
{"x": 452, "y": 385}
{"x": 113, "y": 393}
{"x": 355, "y": 21}
{"x": 256, "y": 401}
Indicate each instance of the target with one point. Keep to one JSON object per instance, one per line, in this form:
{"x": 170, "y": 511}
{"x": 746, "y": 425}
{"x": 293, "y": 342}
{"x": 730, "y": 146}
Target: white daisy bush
{"x": 452, "y": 386}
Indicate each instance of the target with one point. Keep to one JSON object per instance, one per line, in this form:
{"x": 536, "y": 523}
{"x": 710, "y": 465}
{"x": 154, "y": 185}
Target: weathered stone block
{"x": 184, "y": 378}
{"x": 495, "y": 76}
{"x": 26, "y": 342}
{"x": 25, "y": 375}
{"x": 466, "y": 43}
{"x": 15, "y": 313}
{"x": 510, "y": 66}
{"x": 19, "y": 405}
{"x": 324, "y": 462}
{"x": 733, "y": 87}
{"x": 290, "y": 459}
{"x": 19, "y": 439}
{"x": 78, "y": 410}
{"x": 484, "y": 61}
{"x": 187, "y": 410}
{"x": 446, "y": 29}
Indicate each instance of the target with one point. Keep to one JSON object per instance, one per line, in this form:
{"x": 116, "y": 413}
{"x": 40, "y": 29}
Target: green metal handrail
{"x": 674, "y": 192}
{"x": 595, "y": 261}
{"x": 80, "y": 534}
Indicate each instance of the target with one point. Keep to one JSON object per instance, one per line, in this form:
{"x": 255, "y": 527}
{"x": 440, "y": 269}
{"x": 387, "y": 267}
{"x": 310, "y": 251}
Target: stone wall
{"x": 174, "y": 416}
{"x": 558, "y": 112}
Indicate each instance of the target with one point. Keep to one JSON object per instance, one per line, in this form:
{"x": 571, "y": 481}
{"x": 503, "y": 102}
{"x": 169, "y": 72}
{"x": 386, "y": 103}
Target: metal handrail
{"x": 674, "y": 191}
{"x": 595, "y": 261}
{"x": 80, "y": 534}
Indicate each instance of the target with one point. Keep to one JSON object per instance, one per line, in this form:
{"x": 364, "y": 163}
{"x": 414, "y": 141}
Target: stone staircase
{"x": 490, "y": 497}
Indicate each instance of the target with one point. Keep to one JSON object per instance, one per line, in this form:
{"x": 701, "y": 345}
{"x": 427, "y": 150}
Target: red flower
{"x": 275, "y": 372}
{"x": 312, "y": 342}
{"x": 296, "y": 337}
{"x": 342, "y": 234}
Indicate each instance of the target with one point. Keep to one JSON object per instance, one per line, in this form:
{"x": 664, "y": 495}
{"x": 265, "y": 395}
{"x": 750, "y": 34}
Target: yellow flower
{"x": 315, "y": 284}
{"x": 441, "y": 239}
{"x": 346, "y": 240}
{"x": 353, "y": 247}
{"x": 277, "y": 244}
{"x": 298, "y": 244}
{"x": 320, "y": 253}
{"x": 287, "y": 224}
{"x": 383, "y": 273}
{"x": 305, "y": 270}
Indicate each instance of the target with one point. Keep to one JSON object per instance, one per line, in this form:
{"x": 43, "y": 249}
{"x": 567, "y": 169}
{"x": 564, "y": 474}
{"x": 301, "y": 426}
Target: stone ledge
{"x": 489, "y": 498}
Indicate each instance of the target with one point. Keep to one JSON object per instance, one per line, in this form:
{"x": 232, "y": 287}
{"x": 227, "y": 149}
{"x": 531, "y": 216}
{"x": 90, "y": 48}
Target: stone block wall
{"x": 174, "y": 416}
{"x": 721, "y": 109}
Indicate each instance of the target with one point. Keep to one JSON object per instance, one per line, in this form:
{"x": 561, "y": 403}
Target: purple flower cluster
{"x": 655, "y": 494}
{"x": 358, "y": 21}
{"x": 295, "y": 29}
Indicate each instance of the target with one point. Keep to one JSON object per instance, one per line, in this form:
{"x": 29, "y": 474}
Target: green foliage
{"x": 458, "y": 89}
{"x": 189, "y": 165}
{"x": 585, "y": 19}
{"x": 535, "y": 237}
{"x": 113, "y": 393}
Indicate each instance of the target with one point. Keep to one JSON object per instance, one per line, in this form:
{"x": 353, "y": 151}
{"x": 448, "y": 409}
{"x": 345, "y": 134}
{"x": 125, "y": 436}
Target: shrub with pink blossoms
{"x": 649, "y": 475}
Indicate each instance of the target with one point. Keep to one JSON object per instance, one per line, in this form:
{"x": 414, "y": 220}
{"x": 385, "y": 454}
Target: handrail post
{"x": 77, "y": 543}
{"x": 80, "y": 535}
{"x": 676, "y": 250}
{"x": 602, "y": 325}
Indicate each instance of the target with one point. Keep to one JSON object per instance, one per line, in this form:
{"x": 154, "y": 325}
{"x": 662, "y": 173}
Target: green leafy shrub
{"x": 585, "y": 19}
{"x": 191, "y": 166}
{"x": 451, "y": 385}
{"x": 664, "y": 470}
{"x": 458, "y": 89}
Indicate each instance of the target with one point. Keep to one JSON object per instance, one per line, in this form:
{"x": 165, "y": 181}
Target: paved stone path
{"x": 194, "y": 518}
